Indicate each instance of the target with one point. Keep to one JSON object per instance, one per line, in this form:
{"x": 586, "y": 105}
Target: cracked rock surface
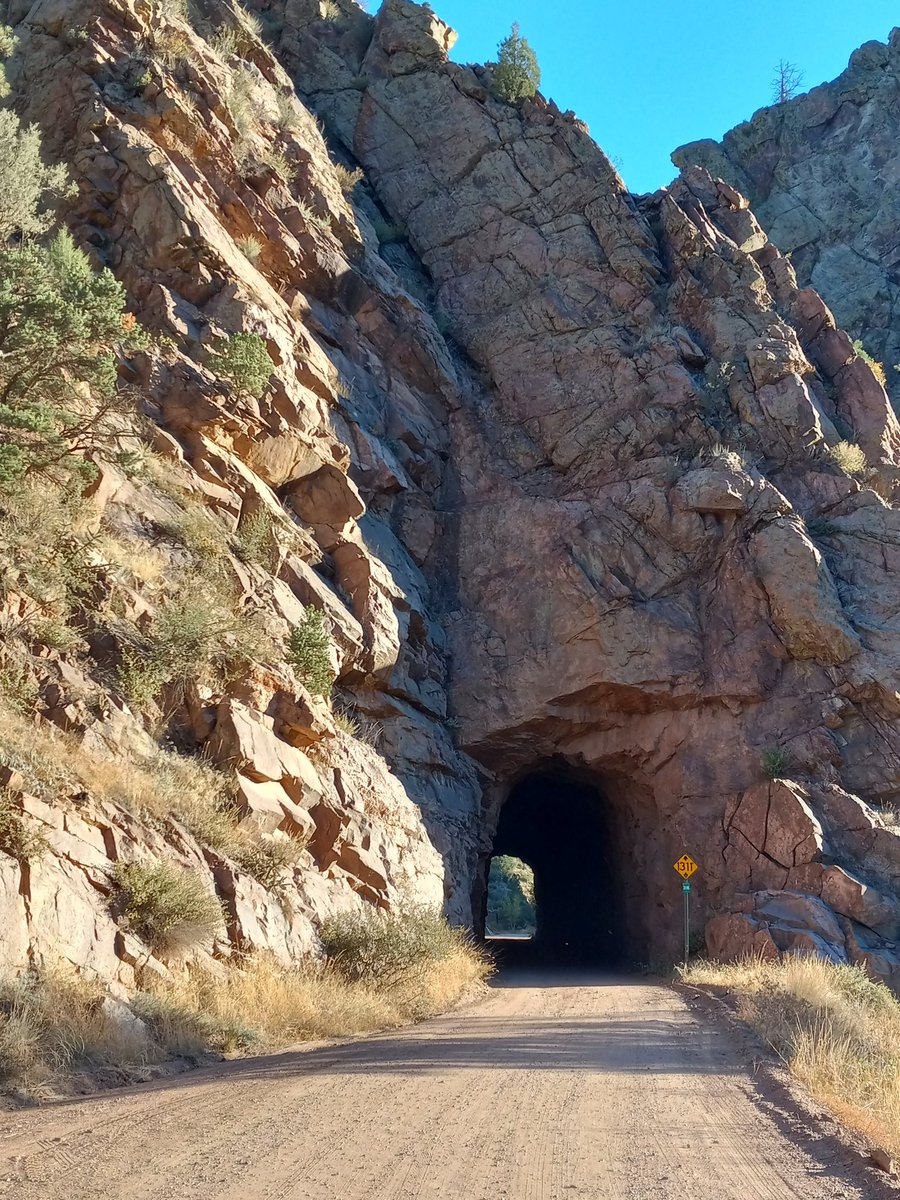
{"x": 560, "y": 457}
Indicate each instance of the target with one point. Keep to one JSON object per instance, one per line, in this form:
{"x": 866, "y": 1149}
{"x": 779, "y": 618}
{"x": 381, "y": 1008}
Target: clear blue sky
{"x": 649, "y": 75}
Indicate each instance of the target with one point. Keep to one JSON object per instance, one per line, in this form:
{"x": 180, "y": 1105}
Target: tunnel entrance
{"x": 560, "y": 826}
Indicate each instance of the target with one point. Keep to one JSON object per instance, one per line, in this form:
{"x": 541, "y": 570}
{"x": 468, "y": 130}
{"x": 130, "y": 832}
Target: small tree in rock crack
{"x": 517, "y": 73}
{"x": 309, "y": 653}
{"x": 786, "y": 82}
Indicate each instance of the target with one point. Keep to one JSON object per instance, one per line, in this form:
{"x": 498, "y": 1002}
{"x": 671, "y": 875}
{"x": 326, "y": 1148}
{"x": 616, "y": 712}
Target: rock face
{"x": 821, "y": 174}
{"x": 560, "y": 457}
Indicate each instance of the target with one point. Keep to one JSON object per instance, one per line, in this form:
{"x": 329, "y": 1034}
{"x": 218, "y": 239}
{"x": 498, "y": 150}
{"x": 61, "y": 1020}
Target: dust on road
{"x": 551, "y": 1088}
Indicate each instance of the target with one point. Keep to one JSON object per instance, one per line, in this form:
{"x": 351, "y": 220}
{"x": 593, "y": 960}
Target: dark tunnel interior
{"x": 559, "y": 826}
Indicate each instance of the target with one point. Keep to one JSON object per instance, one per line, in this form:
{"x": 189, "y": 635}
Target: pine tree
{"x": 61, "y": 325}
{"x": 309, "y": 652}
{"x": 517, "y": 73}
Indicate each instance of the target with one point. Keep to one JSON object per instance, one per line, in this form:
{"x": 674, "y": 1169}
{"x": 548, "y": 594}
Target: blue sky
{"x": 649, "y": 75}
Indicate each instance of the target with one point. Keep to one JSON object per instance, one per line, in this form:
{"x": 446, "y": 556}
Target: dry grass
{"x": 348, "y": 179}
{"x": 55, "y": 1027}
{"x": 136, "y": 560}
{"x": 155, "y": 789}
{"x": 849, "y": 457}
{"x": 56, "y": 1033}
{"x": 837, "y": 1030}
{"x": 164, "y": 785}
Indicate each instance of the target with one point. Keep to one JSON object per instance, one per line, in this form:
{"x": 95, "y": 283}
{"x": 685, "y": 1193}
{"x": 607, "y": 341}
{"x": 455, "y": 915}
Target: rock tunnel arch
{"x": 570, "y": 826}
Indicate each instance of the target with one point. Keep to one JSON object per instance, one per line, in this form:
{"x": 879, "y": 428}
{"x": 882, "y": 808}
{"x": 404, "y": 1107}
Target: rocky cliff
{"x": 565, "y": 470}
{"x": 821, "y": 174}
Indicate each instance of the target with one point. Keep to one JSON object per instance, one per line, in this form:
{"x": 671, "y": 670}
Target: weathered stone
{"x": 533, "y": 527}
{"x": 828, "y": 205}
{"x": 736, "y": 935}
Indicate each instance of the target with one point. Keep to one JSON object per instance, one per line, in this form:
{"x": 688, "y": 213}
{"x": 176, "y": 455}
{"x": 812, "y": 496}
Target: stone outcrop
{"x": 821, "y": 174}
{"x": 559, "y": 461}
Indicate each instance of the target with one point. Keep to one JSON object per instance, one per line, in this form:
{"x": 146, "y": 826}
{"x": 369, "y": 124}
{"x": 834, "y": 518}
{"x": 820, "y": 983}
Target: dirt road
{"x": 570, "y": 1089}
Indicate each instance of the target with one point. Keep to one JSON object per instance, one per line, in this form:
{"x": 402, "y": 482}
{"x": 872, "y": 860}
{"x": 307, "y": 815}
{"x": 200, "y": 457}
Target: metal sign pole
{"x": 686, "y": 888}
{"x": 686, "y": 868}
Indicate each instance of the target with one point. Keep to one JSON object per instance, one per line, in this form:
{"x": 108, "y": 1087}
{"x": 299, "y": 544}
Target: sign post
{"x": 686, "y": 868}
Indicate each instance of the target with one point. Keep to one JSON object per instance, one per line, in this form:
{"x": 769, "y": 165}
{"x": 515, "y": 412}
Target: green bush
{"x": 517, "y": 73}
{"x": 256, "y": 541}
{"x": 244, "y": 359}
{"x": 308, "y": 653}
{"x": 385, "y": 950}
{"x": 165, "y": 906}
{"x": 16, "y": 839}
{"x": 775, "y": 762}
{"x": 61, "y": 325}
{"x": 189, "y": 638}
{"x": 27, "y": 186}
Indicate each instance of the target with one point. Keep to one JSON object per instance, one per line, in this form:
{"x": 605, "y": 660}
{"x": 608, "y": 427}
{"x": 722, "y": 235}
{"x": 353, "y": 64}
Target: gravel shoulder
{"x": 550, "y": 1088}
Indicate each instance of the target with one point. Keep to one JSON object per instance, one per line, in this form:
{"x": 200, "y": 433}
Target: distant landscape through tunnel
{"x": 559, "y": 825}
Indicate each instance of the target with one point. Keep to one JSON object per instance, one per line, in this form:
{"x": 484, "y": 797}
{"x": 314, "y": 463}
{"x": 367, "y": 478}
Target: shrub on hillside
{"x": 775, "y": 762}
{"x": 43, "y": 554}
{"x": 8, "y": 43}
{"x": 347, "y": 178}
{"x": 517, "y": 73}
{"x": 16, "y": 839}
{"x": 61, "y": 325}
{"x": 165, "y": 906}
{"x": 849, "y": 457}
{"x": 386, "y": 950}
{"x": 256, "y": 541}
{"x": 268, "y": 859}
{"x": 877, "y": 368}
{"x": 27, "y": 186}
{"x": 244, "y": 359}
{"x": 190, "y": 638}
{"x": 308, "y": 653}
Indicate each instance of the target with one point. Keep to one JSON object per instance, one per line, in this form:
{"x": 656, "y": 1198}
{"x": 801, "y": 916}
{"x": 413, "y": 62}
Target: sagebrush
{"x": 168, "y": 907}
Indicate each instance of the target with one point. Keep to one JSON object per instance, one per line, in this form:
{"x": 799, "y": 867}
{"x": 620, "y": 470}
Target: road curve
{"x": 551, "y": 1088}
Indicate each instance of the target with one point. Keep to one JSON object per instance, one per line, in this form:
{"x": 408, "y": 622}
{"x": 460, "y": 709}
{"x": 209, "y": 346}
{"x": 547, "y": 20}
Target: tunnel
{"x": 560, "y": 825}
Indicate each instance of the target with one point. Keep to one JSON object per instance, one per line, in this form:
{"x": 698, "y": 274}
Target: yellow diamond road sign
{"x": 685, "y": 866}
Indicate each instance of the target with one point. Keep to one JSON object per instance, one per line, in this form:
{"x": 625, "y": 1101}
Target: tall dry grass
{"x": 163, "y": 784}
{"x": 836, "y": 1029}
{"x": 60, "y": 1033}
{"x": 57, "y": 1026}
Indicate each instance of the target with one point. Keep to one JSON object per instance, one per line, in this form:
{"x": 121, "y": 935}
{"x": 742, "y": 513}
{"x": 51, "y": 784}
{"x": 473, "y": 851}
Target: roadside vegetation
{"x": 59, "y": 1032}
{"x": 836, "y": 1029}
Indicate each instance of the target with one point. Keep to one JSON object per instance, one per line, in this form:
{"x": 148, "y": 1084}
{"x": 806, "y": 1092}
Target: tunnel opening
{"x": 510, "y": 899}
{"x": 561, "y": 826}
